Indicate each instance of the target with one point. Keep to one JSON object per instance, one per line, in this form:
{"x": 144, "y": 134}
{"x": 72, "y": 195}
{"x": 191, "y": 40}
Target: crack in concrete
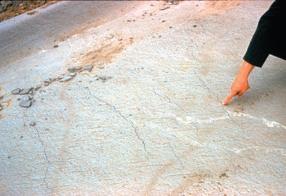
{"x": 169, "y": 100}
{"x": 135, "y": 129}
{"x": 181, "y": 108}
{"x": 176, "y": 156}
{"x": 46, "y": 157}
{"x": 217, "y": 98}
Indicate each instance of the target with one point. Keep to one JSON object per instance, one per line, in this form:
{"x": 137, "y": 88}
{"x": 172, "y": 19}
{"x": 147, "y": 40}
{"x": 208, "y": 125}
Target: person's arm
{"x": 240, "y": 84}
{"x": 268, "y": 35}
{"x": 267, "y": 39}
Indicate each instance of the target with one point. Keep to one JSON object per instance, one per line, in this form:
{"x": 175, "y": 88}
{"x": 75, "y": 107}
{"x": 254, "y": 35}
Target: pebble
{"x": 1, "y": 107}
{"x": 104, "y": 78}
{"x": 87, "y": 68}
{"x": 32, "y": 124}
{"x": 26, "y": 91}
{"x": 60, "y": 77}
{"x": 26, "y": 101}
{"x": 74, "y": 69}
{"x": 16, "y": 91}
{"x": 66, "y": 78}
{"x": 47, "y": 82}
{"x": 72, "y": 74}
{"x": 164, "y": 8}
{"x": 37, "y": 87}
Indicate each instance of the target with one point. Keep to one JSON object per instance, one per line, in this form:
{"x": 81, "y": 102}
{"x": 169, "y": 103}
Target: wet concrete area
{"x": 128, "y": 101}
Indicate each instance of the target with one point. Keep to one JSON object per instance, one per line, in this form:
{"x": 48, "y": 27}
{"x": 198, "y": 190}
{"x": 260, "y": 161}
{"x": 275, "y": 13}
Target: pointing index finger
{"x": 228, "y": 99}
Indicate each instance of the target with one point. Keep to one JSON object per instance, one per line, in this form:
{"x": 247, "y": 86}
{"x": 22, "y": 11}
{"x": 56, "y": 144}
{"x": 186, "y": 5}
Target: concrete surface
{"x": 147, "y": 120}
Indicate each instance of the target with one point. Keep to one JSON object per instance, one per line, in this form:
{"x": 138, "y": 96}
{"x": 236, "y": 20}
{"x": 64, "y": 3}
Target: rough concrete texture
{"x": 147, "y": 118}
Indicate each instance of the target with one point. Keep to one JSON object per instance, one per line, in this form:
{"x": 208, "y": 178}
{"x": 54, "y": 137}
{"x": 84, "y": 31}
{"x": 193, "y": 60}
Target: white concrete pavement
{"x": 147, "y": 120}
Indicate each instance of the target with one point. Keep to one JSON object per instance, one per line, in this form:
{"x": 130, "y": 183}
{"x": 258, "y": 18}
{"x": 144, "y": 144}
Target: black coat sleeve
{"x": 269, "y": 37}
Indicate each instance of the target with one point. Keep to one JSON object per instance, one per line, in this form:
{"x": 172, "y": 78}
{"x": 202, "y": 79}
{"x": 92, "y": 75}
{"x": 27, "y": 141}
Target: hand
{"x": 240, "y": 85}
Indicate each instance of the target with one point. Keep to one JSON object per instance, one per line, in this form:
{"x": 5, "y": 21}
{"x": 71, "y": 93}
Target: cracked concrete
{"x": 147, "y": 118}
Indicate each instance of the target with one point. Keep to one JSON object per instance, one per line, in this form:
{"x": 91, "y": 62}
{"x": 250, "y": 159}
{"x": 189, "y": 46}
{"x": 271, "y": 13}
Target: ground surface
{"x": 147, "y": 120}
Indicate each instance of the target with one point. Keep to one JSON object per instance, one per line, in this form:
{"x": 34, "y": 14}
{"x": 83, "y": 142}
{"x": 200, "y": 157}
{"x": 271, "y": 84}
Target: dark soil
{"x": 12, "y": 8}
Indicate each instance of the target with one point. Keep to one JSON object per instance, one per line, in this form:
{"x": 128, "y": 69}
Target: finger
{"x": 228, "y": 99}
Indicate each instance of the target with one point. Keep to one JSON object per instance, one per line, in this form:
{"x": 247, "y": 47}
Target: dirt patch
{"x": 104, "y": 54}
{"x": 9, "y": 9}
{"x": 217, "y": 7}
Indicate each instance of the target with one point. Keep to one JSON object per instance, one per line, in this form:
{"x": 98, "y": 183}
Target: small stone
{"x": 164, "y": 8}
{"x": 16, "y": 91}
{"x": 173, "y": 2}
{"x": 37, "y": 87}
{"x": 26, "y": 101}
{"x": 60, "y": 77}
{"x": 104, "y": 78}
{"x": 163, "y": 21}
{"x": 52, "y": 79}
{"x": 223, "y": 175}
{"x": 1, "y": 107}
{"x": 47, "y": 82}
{"x": 73, "y": 74}
{"x": 21, "y": 137}
{"x": 26, "y": 91}
{"x": 194, "y": 26}
{"x": 56, "y": 46}
{"x": 66, "y": 78}
{"x": 74, "y": 69}
{"x": 87, "y": 68}
{"x": 32, "y": 124}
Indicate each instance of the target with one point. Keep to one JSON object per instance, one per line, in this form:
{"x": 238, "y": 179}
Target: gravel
{"x": 16, "y": 91}
{"x": 26, "y": 91}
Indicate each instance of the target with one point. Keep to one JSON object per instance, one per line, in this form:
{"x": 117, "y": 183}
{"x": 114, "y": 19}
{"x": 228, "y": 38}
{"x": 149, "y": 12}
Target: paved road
{"x": 147, "y": 119}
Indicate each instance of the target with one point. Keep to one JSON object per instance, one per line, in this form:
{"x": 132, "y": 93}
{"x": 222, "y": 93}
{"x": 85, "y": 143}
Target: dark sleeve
{"x": 268, "y": 33}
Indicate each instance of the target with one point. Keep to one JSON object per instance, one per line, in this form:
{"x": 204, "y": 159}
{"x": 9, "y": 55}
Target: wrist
{"x": 245, "y": 69}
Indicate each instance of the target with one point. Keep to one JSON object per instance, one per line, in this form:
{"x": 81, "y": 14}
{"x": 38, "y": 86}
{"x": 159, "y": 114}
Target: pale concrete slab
{"x": 148, "y": 119}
